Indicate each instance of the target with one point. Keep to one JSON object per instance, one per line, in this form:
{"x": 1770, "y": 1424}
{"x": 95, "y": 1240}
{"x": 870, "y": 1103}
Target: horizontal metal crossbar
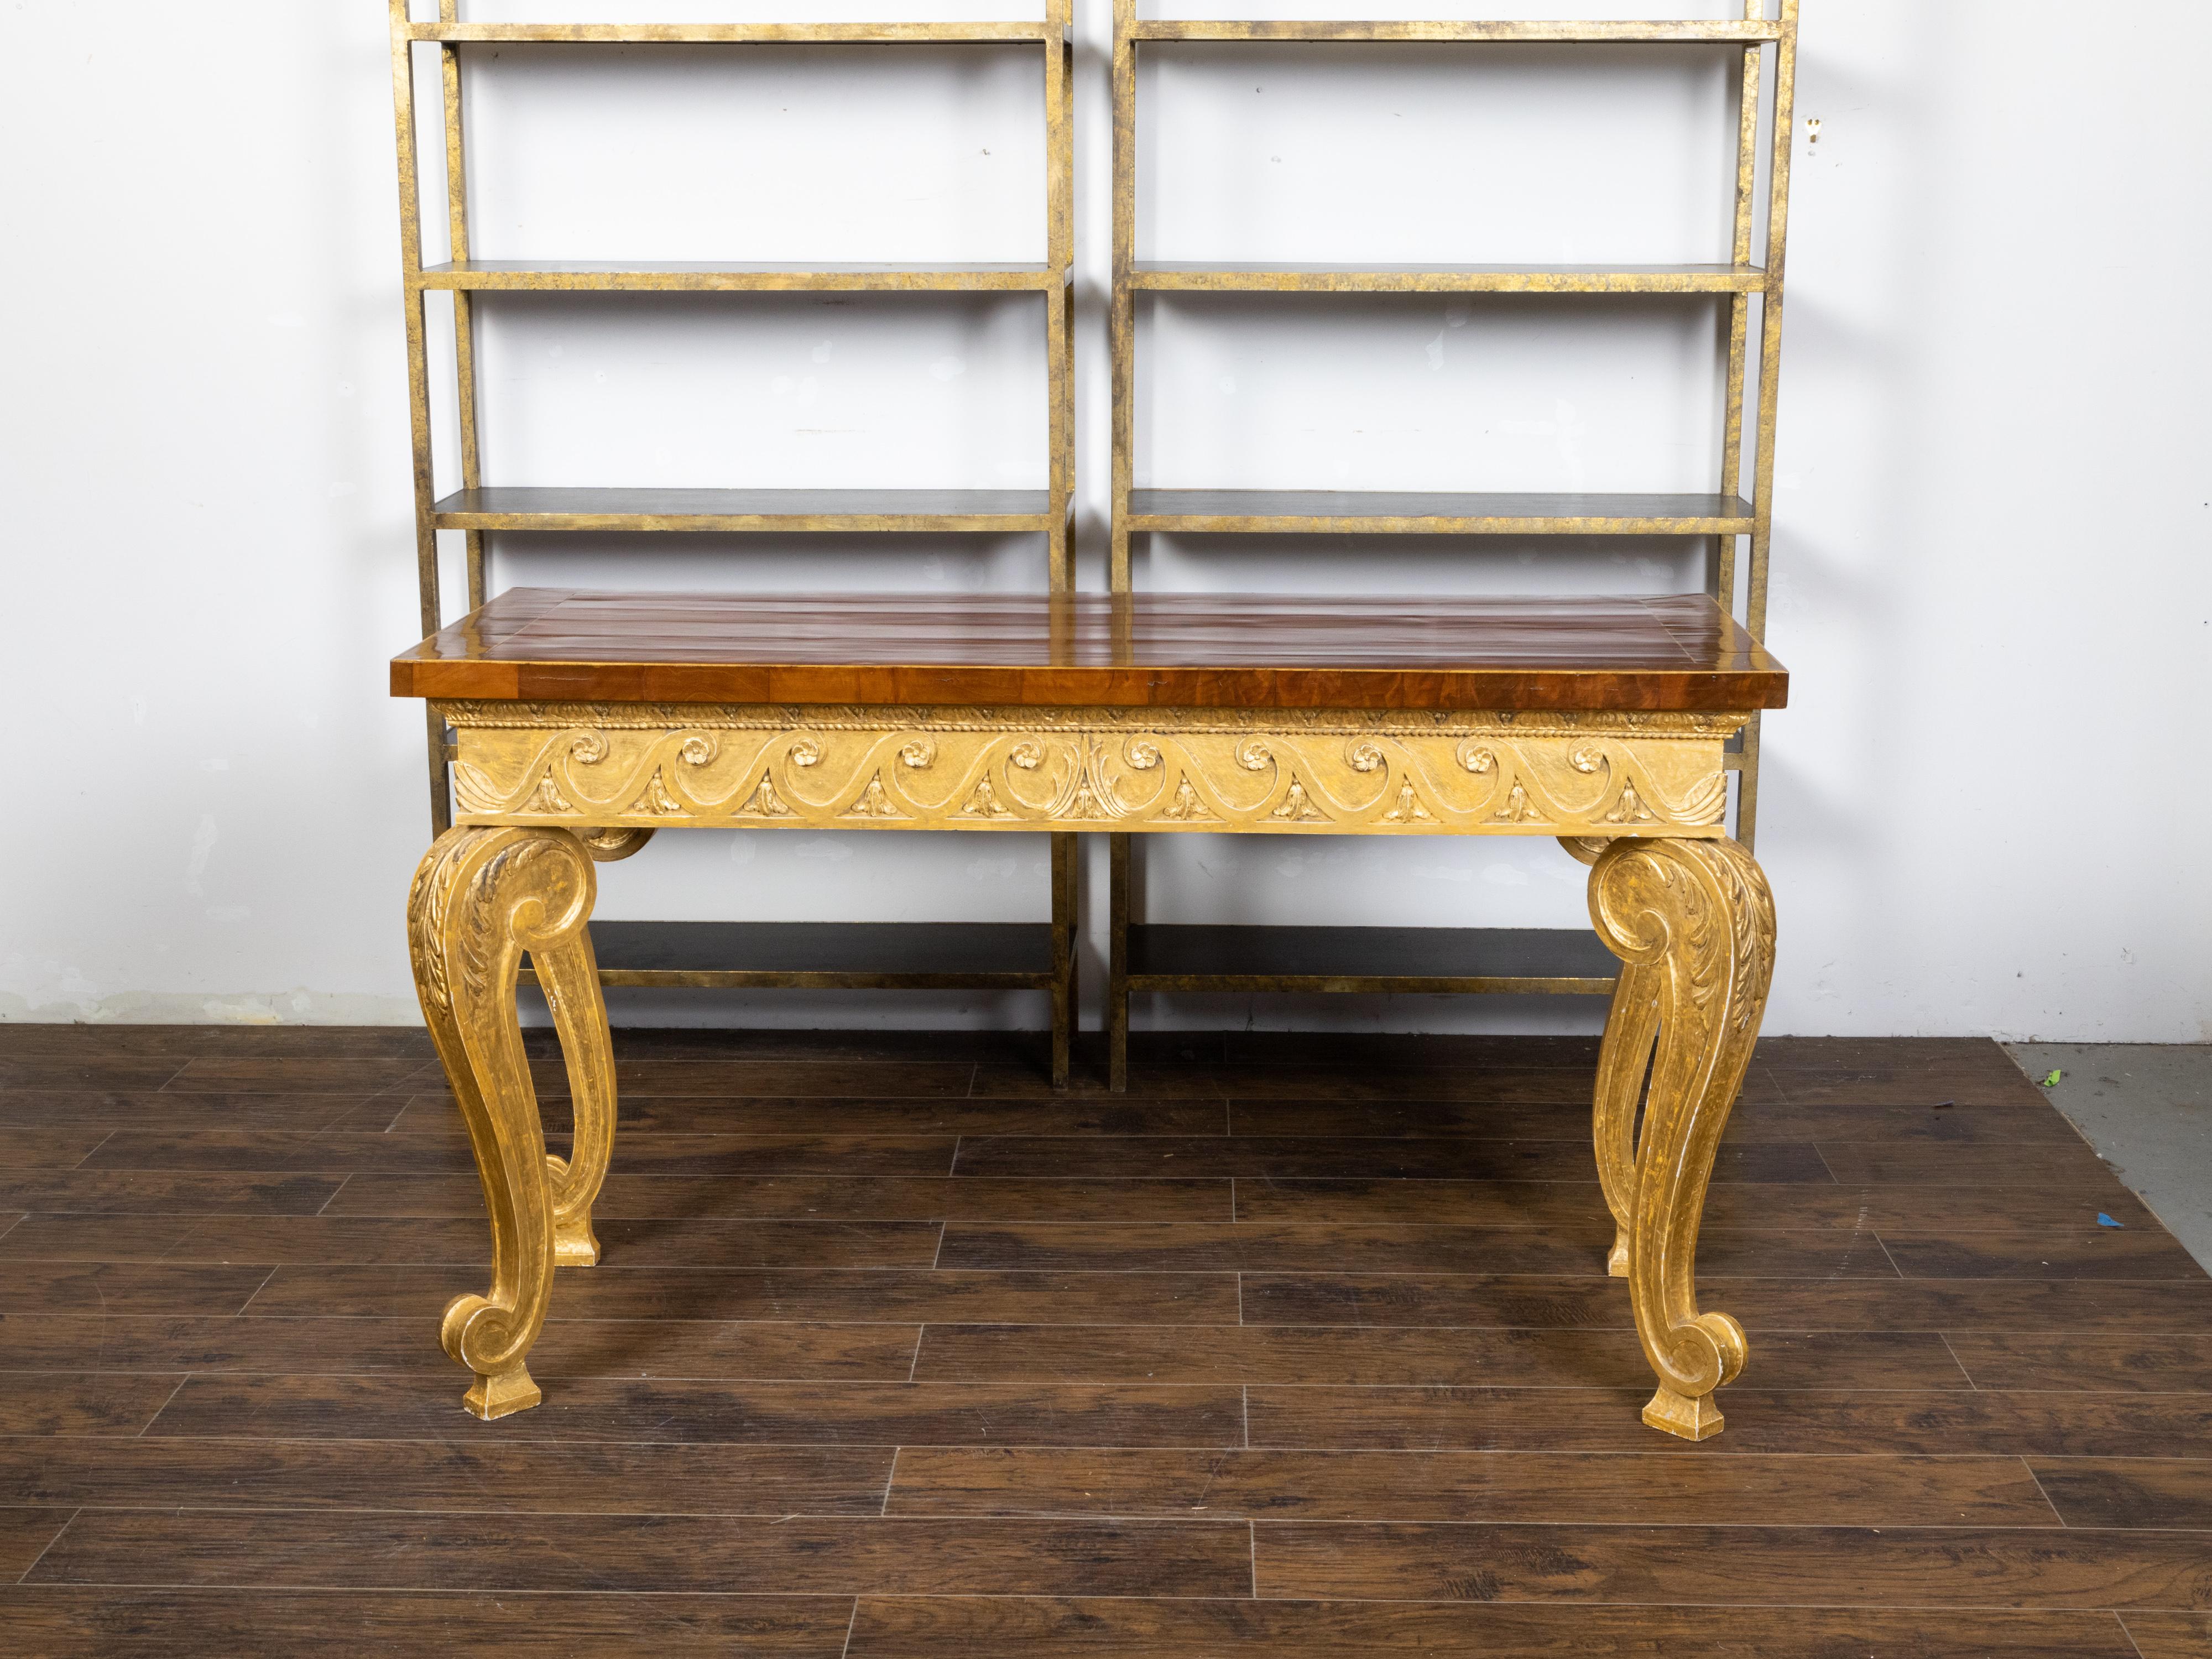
{"x": 1370, "y": 961}
{"x": 993, "y": 511}
{"x": 662, "y": 276}
{"x": 1434, "y": 512}
{"x": 1299, "y": 278}
{"x": 824, "y": 955}
{"x": 1669, "y": 32}
{"x": 739, "y": 34}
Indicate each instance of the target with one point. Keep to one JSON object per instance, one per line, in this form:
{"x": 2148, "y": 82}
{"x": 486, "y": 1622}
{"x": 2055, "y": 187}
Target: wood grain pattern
{"x": 1290, "y": 1247}
{"x": 2163, "y": 1362}
{"x": 858, "y": 1197}
{"x": 1744, "y": 1204}
{"x": 2169, "y": 1634}
{"x": 2171, "y": 1493}
{"x": 1547, "y": 1487}
{"x": 1902, "y": 1422}
{"x": 202, "y": 1344}
{"x": 1376, "y": 1299}
{"x": 88, "y": 1403}
{"x": 1048, "y": 1628}
{"x": 53, "y": 1147}
{"x": 1268, "y": 1158}
{"x": 684, "y": 1553}
{"x": 1276, "y": 1316}
{"x": 1737, "y": 1566}
{"x": 1153, "y": 651}
{"x": 365, "y": 1240}
{"x": 689, "y": 1412}
{"x": 24, "y": 1535}
{"x": 31, "y": 1109}
{"x": 127, "y": 1288}
{"x": 1370, "y": 1357}
{"x": 108, "y": 1621}
{"x": 1105, "y": 1115}
{"x": 613, "y": 1292}
{"x": 431, "y": 1476}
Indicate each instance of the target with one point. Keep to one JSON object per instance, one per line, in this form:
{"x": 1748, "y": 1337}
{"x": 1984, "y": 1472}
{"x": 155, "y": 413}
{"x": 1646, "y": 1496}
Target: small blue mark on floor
{"x": 2104, "y": 1220}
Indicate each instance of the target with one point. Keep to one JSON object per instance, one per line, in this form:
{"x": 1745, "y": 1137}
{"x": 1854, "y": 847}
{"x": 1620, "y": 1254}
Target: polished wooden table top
{"x": 1155, "y": 650}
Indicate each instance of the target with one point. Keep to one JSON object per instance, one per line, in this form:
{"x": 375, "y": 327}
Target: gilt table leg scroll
{"x": 481, "y": 898}
{"x": 1692, "y": 922}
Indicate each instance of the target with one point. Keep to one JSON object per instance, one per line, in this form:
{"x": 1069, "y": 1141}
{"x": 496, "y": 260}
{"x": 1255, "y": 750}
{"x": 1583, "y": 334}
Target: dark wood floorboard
{"x": 433, "y": 1475}
{"x": 1270, "y": 1156}
{"x": 759, "y": 1350}
{"x": 1547, "y": 1204}
{"x": 899, "y": 1295}
{"x": 64, "y": 1621}
{"x": 1293, "y": 1246}
{"x": 687, "y": 1411}
{"x": 2147, "y": 1491}
{"x": 296, "y": 1241}
{"x": 1547, "y": 1487}
{"x": 630, "y": 1197}
{"x": 690, "y": 1554}
{"x": 25, "y": 1534}
{"x": 948, "y": 1628}
{"x": 1405, "y": 1357}
{"x": 2169, "y": 1634}
{"x": 1305, "y": 1347}
{"x": 37, "y": 1402}
{"x": 141, "y": 1192}
{"x": 1101, "y": 1114}
{"x": 128, "y": 1287}
{"x": 280, "y": 1150}
{"x": 31, "y": 1109}
{"x": 1902, "y": 1421}
{"x": 1968, "y": 1125}
{"x": 1849, "y": 1305}
{"x": 2165, "y": 1362}
{"x": 1733, "y": 1566}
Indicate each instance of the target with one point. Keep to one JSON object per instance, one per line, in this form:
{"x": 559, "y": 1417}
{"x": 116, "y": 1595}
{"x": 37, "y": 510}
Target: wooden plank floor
{"x": 1305, "y": 1347}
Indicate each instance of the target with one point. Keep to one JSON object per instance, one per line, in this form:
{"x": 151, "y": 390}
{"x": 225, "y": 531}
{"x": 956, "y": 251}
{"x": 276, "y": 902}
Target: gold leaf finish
{"x": 607, "y": 845}
{"x": 1692, "y": 922}
{"x": 1686, "y": 909}
{"x": 1327, "y": 773}
{"x": 481, "y": 898}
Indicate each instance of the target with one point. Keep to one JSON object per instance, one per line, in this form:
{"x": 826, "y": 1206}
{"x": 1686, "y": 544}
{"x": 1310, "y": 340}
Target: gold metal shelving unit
{"x": 1155, "y": 957}
{"x": 815, "y": 956}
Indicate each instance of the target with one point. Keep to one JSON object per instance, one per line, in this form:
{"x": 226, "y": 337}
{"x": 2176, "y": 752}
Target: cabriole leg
{"x": 1692, "y": 922}
{"x": 482, "y": 897}
{"x": 1631, "y": 1031}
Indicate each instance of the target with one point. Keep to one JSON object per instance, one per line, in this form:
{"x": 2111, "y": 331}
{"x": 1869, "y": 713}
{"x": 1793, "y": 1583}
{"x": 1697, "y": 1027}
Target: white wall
{"x": 1991, "y": 572}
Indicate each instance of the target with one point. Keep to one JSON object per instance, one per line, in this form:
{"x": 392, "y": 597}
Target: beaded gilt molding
{"x": 1149, "y": 770}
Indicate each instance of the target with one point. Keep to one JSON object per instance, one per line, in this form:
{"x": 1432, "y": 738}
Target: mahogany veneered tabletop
{"x": 1678, "y": 653}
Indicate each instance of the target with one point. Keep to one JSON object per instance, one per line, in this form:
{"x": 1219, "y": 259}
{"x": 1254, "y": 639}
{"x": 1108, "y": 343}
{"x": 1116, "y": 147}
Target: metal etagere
{"x": 1155, "y": 957}
{"x": 813, "y": 956}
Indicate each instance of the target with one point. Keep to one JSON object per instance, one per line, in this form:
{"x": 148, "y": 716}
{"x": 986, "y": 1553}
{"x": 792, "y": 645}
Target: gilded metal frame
{"x": 475, "y": 511}
{"x": 1725, "y": 518}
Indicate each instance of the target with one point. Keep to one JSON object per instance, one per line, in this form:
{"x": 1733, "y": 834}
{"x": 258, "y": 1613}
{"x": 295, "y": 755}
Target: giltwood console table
{"x": 588, "y": 721}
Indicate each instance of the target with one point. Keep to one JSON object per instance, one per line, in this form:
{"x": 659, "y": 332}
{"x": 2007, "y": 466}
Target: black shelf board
{"x": 1165, "y": 957}
{"x": 951, "y": 955}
